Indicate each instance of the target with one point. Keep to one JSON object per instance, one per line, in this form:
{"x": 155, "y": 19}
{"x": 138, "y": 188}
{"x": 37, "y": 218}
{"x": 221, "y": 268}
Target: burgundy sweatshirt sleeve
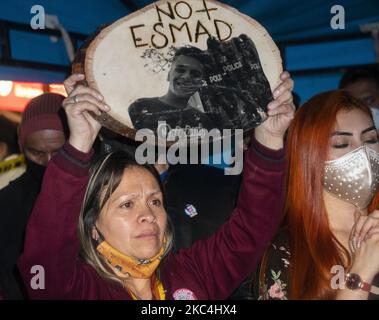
{"x": 213, "y": 268}
{"x": 51, "y": 240}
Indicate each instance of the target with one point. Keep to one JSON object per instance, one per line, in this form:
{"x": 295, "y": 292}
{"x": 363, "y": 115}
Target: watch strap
{"x": 374, "y": 290}
{"x": 365, "y": 286}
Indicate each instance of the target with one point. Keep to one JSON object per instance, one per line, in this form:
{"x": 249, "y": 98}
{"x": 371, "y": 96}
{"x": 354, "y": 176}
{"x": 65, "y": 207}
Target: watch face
{"x": 353, "y": 281}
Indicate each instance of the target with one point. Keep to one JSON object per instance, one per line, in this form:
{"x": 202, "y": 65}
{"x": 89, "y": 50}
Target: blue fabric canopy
{"x": 284, "y": 20}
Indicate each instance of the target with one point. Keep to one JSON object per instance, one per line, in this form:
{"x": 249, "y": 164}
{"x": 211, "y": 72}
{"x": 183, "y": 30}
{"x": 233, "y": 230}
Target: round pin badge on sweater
{"x": 190, "y": 210}
{"x": 194, "y": 64}
{"x": 184, "y": 294}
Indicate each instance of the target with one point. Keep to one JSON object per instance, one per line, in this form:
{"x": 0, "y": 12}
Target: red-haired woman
{"x": 328, "y": 246}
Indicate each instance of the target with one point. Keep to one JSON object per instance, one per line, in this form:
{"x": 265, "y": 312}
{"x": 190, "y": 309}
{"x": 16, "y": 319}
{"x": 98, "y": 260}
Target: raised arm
{"x": 49, "y": 264}
{"x": 215, "y": 267}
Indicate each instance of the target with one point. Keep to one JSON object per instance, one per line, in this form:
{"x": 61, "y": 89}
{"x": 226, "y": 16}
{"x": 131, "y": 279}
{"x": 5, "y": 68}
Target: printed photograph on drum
{"x": 181, "y": 105}
{"x": 222, "y": 87}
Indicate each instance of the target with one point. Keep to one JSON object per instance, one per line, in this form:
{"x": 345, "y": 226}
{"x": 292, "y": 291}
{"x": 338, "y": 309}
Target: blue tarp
{"x": 285, "y": 20}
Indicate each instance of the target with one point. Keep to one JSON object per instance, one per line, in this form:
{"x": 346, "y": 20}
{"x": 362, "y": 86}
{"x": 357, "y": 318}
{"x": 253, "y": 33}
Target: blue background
{"x": 285, "y": 20}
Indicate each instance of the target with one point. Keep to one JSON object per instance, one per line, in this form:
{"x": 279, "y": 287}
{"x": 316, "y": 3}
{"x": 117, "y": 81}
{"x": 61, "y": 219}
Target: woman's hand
{"x": 365, "y": 227}
{"x": 366, "y": 259}
{"x": 281, "y": 111}
{"x": 83, "y": 127}
{"x": 365, "y": 262}
{"x": 365, "y": 236}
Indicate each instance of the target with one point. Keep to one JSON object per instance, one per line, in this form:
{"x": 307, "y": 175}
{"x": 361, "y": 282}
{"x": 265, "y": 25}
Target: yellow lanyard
{"x": 158, "y": 291}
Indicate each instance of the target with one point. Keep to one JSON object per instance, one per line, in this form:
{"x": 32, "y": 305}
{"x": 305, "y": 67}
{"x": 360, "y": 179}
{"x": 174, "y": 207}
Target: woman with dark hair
{"x": 123, "y": 250}
{"x": 331, "y": 226}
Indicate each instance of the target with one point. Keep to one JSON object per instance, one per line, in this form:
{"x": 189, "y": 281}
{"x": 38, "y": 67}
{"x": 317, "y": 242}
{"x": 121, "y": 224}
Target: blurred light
{"x": 57, "y": 88}
{"x": 29, "y": 91}
{"x": 5, "y": 88}
{"x": 14, "y": 95}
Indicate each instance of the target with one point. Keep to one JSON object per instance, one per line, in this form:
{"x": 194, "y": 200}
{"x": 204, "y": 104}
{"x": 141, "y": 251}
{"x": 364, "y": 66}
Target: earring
{"x": 95, "y": 234}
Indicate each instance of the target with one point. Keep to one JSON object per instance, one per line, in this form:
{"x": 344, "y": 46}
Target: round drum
{"x": 182, "y": 67}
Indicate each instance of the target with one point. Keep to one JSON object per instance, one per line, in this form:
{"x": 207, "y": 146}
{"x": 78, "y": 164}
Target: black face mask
{"x": 35, "y": 170}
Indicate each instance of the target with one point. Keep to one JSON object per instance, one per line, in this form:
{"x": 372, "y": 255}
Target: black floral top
{"x": 274, "y": 285}
{"x": 275, "y": 280}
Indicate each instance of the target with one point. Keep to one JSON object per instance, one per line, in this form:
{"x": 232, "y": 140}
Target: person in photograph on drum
{"x": 180, "y": 106}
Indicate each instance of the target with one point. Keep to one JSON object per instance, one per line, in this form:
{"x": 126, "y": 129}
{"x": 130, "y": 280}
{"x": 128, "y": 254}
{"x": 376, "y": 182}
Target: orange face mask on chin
{"x": 129, "y": 266}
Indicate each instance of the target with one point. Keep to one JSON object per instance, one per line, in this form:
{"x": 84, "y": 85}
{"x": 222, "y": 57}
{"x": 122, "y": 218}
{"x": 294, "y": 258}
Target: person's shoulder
{"x": 12, "y": 196}
{"x": 14, "y": 184}
{"x": 146, "y": 100}
{"x": 280, "y": 242}
{"x": 145, "y": 103}
{"x": 278, "y": 252}
{"x": 271, "y": 277}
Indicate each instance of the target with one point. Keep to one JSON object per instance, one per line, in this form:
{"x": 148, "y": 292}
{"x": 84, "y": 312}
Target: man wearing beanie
{"x": 42, "y": 132}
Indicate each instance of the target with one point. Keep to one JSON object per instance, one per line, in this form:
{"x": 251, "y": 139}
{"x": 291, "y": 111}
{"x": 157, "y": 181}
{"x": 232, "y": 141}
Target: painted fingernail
{"x": 106, "y": 107}
{"x": 276, "y": 93}
{"x": 100, "y": 96}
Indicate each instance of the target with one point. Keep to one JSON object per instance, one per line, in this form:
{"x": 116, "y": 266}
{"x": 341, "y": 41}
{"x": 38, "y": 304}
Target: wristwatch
{"x": 354, "y": 282}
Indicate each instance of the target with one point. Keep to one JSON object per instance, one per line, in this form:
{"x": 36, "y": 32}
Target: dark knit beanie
{"x": 41, "y": 113}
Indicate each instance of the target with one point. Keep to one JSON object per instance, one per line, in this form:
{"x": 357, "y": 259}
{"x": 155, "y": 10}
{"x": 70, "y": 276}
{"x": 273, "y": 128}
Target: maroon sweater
{"x": 210, "y": 269}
